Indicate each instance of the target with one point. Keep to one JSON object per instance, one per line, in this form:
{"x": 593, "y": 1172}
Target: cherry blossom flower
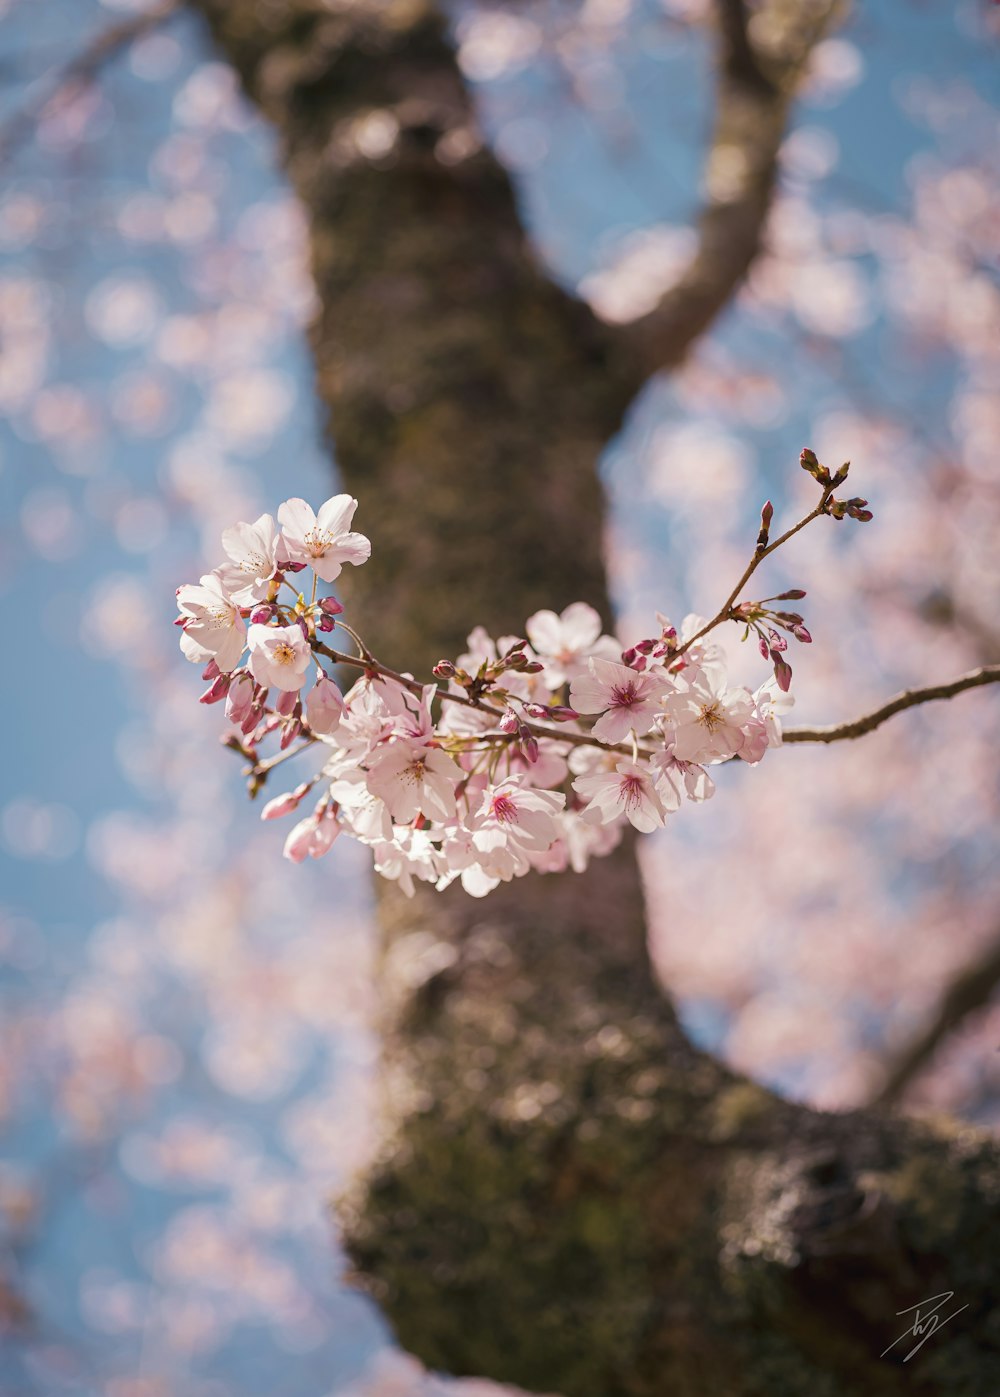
{"x": 707, "y": 720}
{"x": 364, "y": 814}
{"x": 628, "y": 791}
{"x": 513, "y": 821}
{"x": 254, "y": 553}
{"x": 214, "y": 628}
{"x": 323, "y": 540}
{"x": 625, "y": 699}
{"x": 565, "y": 642}
{"x": 675, "y": 779}
{"x": 763, "y": 729}
{"x": 414, "y": 779}
{"x": 279, "y": 656}
{"x": 410, "y": 855}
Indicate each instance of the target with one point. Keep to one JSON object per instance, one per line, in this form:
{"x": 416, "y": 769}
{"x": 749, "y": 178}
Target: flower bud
{"x": 286, "y": 702}
{"x": 325, "y": 623}
{"x": 444, "y": 669}
{"x": 510, "y": 722}
{"x": 796, "y": 594}
{"x": 783, "y": 674}
{"x": 261, "y": 615}
{"x": 218, "y": 691}
{"x": 324, "y": 706}
{"x": 330, "y": 605}
{"x": 281, "y": 805}
{"x": 290, "y": 734}
{"x": 239, "y": 700}
{"x": 293, "y": 567}
{"x": 211, "y": 671}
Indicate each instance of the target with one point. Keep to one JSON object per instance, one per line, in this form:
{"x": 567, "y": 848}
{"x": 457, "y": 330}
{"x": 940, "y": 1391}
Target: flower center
{"x": 318, "y": 541}
{"x": 414, "y": 773}
{"x": 631, "y": 791}
{"x": 504, "y": 810}
{"x": 283, "y": 653}
{"x": 255, "y": 564}
{"x": 624, "y": 696}
{"x": 711, "y": 716}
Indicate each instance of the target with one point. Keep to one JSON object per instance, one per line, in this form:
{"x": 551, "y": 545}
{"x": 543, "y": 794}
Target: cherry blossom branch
{"x": 909, "y": 698}
{"x": 726, "y": 612}
{"x": 413, "y": 686}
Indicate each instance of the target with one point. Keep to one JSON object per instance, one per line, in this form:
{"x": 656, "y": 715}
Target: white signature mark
{"x": 924, "y": 1324}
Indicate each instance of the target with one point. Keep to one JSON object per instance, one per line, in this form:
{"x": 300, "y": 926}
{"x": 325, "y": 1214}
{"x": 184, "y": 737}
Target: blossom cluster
{"x": 526, "y": 753}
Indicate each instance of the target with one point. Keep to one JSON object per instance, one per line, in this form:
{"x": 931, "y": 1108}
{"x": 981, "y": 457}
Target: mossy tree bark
{"x": 570, "y": 1198}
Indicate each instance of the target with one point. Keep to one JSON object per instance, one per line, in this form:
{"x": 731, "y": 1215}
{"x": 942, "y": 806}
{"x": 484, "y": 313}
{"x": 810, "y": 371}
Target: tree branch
{"x": 755, "y": 88}
{"x": 909, "y": 698}
{"x": 971, "y": 988}
{"x": 82, "y": 68}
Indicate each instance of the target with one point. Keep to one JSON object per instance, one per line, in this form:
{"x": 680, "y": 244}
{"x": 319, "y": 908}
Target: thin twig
{"x": 725, "y": 611}
{"x": 909, "y": 698}
{"x": 82, "y": 68}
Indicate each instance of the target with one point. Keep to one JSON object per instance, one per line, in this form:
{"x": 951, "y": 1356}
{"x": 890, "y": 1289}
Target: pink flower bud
{"x": 286, "y": 702}
{"x": 239, "y": 700}
{"x": 330, "y": 605}
{"x": 783, "y": 674}
{"x": 251, "y": 720}
{"x": 312, "y": 837}
{"x": 211, "y": 671}
{"x": 261, "y": 615}
{"x": 445, "y": 669}
{"x": 325, "y": 623}
{"x": 218, "y": 691}
{"x": 293, "y": 567}
{"x": 324, "y": 706}
{"x": 800, "y": 633}
{"x": 559, "y": 713}
{"x": 510, "y": 722}
{"x": 290, "y": 734}
{"x": 529, "y": 745}
{"x": 283, "y": 805}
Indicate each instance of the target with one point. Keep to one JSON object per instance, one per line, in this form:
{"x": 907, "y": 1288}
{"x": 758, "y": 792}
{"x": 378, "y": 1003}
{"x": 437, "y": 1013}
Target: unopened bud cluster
{"x": 527, "y": 753}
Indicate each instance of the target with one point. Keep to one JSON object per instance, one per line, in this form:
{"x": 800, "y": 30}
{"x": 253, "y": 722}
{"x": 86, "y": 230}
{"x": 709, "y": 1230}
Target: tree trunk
{"x": 570, "y": 1198}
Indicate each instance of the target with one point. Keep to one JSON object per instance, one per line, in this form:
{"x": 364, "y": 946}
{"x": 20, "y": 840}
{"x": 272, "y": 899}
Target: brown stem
{"x": 909, "y": 698}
